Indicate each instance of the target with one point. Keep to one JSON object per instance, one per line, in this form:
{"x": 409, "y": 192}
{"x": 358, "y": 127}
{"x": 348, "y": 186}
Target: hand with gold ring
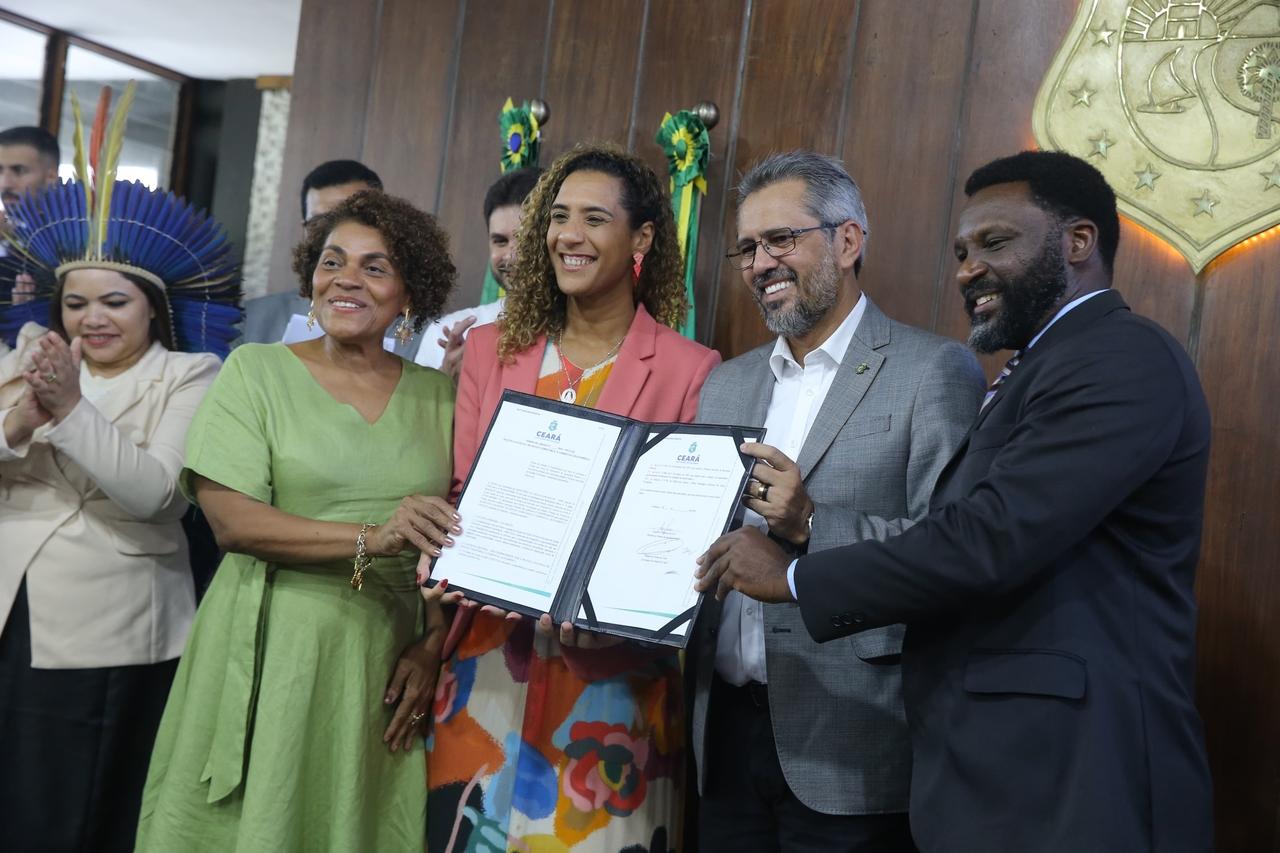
{"x": 413, "y": 686}
{"x": 779, "y": 496}
{"x": 54, "y": 374}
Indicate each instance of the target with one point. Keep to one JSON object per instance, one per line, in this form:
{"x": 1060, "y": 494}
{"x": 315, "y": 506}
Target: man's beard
{"x": 815, "y": 296}
{"x": 1025, "y": 302}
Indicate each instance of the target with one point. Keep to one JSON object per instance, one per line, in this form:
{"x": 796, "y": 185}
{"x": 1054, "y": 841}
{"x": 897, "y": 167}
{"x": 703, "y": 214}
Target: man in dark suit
{"x": 1048, "y": 595}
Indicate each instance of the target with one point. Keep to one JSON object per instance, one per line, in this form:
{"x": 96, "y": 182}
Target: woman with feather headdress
{"x": 135, "y": 300}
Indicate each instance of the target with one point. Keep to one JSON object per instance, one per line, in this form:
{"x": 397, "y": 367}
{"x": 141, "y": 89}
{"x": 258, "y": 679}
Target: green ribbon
{"x": 521, "y": 137}
{"x": 684, "y": 140}
{"x": 521, "y": 142}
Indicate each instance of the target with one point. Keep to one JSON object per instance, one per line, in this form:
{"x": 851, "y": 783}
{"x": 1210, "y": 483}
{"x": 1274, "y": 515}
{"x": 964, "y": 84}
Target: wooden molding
{"x": 277, "y": 81}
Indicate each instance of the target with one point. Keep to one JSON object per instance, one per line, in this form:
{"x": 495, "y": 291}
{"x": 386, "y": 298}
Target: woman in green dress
{"x": 296, "y": 717}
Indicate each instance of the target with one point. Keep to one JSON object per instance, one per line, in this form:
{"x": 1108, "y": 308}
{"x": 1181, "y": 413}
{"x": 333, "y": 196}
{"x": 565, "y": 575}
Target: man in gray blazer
{"x": 801, "y": 746}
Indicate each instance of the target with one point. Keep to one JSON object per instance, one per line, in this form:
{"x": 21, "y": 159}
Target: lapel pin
{"x": 862, "y": 368}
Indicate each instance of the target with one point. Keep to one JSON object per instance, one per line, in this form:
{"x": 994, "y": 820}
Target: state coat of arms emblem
{"x": 1178, "y": 105}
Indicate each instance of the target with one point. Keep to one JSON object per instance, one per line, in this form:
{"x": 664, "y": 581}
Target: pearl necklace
{"x": 570, "y": 392}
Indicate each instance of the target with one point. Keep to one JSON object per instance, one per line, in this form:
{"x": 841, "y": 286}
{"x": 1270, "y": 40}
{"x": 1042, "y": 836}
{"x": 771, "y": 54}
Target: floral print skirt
{"x": 541, "y": 751}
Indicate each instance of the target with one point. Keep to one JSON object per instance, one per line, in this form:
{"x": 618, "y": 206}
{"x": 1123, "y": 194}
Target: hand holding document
{"x": 594, "y": 518}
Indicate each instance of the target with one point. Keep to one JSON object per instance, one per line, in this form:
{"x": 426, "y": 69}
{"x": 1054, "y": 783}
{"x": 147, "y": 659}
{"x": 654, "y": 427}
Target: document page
{"x": 525, "y": 504}
{"x": 678, "y": 500}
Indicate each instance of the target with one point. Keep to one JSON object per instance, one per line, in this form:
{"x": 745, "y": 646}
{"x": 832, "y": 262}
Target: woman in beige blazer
{"x": 96, "y": 588}
{"x": 96, "y": 591}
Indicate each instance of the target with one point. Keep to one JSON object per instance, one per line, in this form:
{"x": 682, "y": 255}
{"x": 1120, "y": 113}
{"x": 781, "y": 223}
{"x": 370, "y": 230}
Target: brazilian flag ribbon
{"x": 520, "y": 136}
{"x": 520, "y": 142}
{"x": 683, "y": 138}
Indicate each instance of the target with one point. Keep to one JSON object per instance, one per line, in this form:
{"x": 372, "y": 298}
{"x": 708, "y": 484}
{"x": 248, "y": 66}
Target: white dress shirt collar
{"x": 1062, "y": 312}
{"x": 834, "y": 347}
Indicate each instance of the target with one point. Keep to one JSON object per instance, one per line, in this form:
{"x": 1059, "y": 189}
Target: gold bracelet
{"x": 362, "y": 560}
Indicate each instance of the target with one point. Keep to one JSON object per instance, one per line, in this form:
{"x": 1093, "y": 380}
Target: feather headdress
{"x": 98, "y": 222}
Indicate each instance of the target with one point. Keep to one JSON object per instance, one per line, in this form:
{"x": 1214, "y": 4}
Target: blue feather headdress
{"x": 124, "y": 226}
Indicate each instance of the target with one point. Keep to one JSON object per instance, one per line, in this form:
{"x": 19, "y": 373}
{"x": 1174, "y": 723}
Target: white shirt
{"x": 1062, "y": 312}
{"x": 94, "y": 388}
{"x": 430, "y": 353}
{"x": 798, "y": 392}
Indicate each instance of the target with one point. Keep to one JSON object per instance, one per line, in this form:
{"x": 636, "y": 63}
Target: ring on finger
{"x": 764, "y": 492}
{"x": 414, "y": 719}
{"x": 51, "y": 376}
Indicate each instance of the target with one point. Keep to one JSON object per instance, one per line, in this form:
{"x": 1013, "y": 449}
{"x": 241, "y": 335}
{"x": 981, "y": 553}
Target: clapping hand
{"x": 25, "y": 418}
{"x": 453, "y": 340}
{"x": 54, "y": 375}
{"x": 24, "y": 288}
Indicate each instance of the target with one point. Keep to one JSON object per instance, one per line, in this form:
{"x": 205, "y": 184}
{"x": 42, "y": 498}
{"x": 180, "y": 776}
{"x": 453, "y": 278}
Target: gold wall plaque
{"x": 1178, "y": 105}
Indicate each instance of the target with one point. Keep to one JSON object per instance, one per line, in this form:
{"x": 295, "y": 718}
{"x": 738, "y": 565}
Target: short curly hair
{"x": 1063, "y": 186}
{"x": 535, "y": 306}
{"x": 417, "y": 245}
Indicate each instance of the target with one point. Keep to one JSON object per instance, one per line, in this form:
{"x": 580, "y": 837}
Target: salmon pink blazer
{"x": 657, "y": 377}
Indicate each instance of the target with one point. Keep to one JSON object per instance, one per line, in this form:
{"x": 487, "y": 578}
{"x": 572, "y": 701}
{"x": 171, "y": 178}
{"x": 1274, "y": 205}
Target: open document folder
{"x": 595, "y": 518}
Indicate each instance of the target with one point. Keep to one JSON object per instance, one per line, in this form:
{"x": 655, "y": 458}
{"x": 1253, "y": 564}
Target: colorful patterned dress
{"x": 544, "y": 749}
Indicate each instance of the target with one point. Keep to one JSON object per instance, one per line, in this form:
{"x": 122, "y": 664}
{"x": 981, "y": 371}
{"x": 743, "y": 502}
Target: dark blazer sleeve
{"x": 1103, "y": 414}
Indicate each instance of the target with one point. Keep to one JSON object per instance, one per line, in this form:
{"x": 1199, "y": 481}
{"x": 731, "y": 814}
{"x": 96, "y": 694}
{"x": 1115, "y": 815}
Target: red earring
{"x": 638, "y": 258}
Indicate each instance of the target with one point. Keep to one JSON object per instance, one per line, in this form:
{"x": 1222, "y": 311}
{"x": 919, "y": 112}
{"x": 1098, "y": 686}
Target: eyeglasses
{"x": 776, "y": 244}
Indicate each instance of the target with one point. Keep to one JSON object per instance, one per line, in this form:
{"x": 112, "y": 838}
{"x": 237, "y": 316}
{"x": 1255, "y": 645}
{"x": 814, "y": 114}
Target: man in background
{"x": 442, "y": 341}
{"x": 29, "y": 159}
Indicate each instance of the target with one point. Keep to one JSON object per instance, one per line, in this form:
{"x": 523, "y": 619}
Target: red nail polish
{"x": 444, "y": 584}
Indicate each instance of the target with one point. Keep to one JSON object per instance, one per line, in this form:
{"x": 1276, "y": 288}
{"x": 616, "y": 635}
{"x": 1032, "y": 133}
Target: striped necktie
{"x": 1000, "y": 378}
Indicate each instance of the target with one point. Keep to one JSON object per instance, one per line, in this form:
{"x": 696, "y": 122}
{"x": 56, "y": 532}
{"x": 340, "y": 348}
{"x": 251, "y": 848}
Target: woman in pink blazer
{"x": 542, "y": 732}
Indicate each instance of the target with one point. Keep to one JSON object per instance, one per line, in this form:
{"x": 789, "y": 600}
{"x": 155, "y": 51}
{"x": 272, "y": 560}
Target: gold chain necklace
{"x": 570, "y": 392}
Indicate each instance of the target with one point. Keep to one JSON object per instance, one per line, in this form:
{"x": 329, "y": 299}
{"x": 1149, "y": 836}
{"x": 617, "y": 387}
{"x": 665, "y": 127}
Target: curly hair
{"x": 535, "y": 306}
{"x": 417, "y": 245}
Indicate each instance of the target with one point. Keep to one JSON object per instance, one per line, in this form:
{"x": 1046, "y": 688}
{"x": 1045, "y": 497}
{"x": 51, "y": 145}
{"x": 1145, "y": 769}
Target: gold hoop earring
{"x": 404, "y": 330}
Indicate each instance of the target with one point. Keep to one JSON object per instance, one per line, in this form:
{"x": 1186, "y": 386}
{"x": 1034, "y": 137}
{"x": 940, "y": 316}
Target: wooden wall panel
{"x": 332, "y": 71}
{"x": 586, "y": 106}
{"x": 410, "y": 97}
{"x": 682, "y": 66}
{"x": 1155, "y": 280}
{"x": 1238, "y": 585}
{"x": 1014, "y": 42}
{"x": 904, "y": 104}
{"x": 502, "y": 50}
{"x": 793, "y": 93}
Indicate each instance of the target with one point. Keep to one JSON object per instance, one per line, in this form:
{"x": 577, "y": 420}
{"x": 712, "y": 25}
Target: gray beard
{"x": 816, "y": 295}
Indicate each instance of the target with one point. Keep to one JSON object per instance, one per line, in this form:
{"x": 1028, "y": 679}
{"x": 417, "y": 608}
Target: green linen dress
{"x": 272, "y": 736}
